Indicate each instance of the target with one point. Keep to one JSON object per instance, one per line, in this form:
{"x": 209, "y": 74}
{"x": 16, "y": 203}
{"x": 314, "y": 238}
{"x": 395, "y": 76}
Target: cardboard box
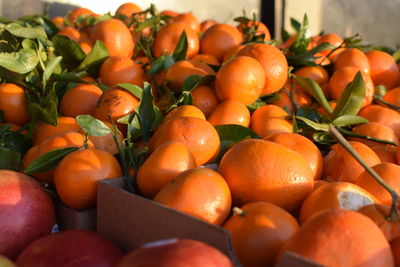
{"x": 130, "y": 221}
{"x": 72, "y": 219}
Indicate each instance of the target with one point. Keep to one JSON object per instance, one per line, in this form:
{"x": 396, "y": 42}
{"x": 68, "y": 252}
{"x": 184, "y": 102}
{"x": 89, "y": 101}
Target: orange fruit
{"x": 13, "y": 103}
{"x": 85, "y": 46}
{"x": 337, "y": 195}
{"x": 44, "y": 130}
{"x": 331, "y": 38}
{"x": 390, "y": 173}
{"x": 260, "y": 27}
{"x": 218, "y": 39}
{"x": 198, "y": 135}
{"x": 393, "y": 96}
{"x": 30, "y": 156}
{"x": 376, "y": 130}
{"x": 165, "y": 163}
{"x": 284, "y": 102}
{"x": 378, "y": 213}
{"x": 316, "y": 73}
{"x": 181, "y": 70}
{"x": 383, "y": 115}
{"x": 200, "y": 192}
{"x": 167, "y": 38}
{"x": 205, "y": 99}
{"x": 353, "y": 57}
{"x": 107, "y": 142}
{"x": 184, "y": 111}
{"x": 207, "y": 24}
{"x": 269, "y": 119}
{"x": 342, "y": 77}
{"x": 258, "y": 231}
{"x": 384, "y": 70}
{"x": 77, "y": 174}
{"x": 188, "y": 18}
{"x": 169, "y": 13}
{"x": 232, "y": 52}
{"x": 71, "y": 33}
{"x": 230, "y": 112}
{"x": 116, "y": 37}
{"x": 63, "y": 140}
{"x": 273, "y": 62}
{"x": 58, "y": 21}
{"x": 320, "y": 59}
{"x": 339, "y": 238}
{"x": 276, "y": 174}
{"x": 128, "y": 9}
{"x": 319, "y": 183}
{"x": 76, "y": 13}
{"x": 241, "y": 79}
{"x": 395, "y": 246}
{"x": 304, "y": 146}
{"x": 207, "y": 58}
{"x": 349, "y": 169}
{"x": 385, "y": 153}
{"x": 115, "y": 102}
{"x": 121, "y": 70}
{"x": 80, "y": 99}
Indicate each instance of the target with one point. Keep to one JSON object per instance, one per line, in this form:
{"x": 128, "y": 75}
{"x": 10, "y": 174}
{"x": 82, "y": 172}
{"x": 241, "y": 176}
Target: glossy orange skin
{"x": 260, "y": 232}
{"x": 181, "y": 70}
{"x": 331, "y": 38}
{"x": 205, "y": 99}
{"x": 316, "y": 73}
{"x": 58, "y": 21}
{"x": 350, "y": 168}
{"x": 127, "y": 9}
{"x": 375, "y": 130}
{"x": 199, "y": 192}
{"x": 242, "y": 79}
{"x": 13, "y": 103}
{"x": 218, "y": 39}
{"x": 116, "y": 37}
{"x": 378, "y": 213}
{"x": 383, "y": 115}
{"x": 184, "y": 111}
{"x": 121, "y": 70}
{"x": 79, "y": 100}
{"x": 304, "y": 146}
{"x": 70, "y": 32}
{"x": 115, "y": 102}
{"x": 198, "y": 135}
{"x": 74, "y": 14}
{"x": 230, "y": 112}
{"x": 277, "y": 175}
{"x": 44, "y": 130}
{"x": 329, "y": 197}
{"x": 395, "y": 246}
{"x": 341, "y": 238}
{"x": 85, "y": 46}
{"x": 273, "y": 62}
{"x": 207, "y": 24}
{"x": 392, "y": 96}
{"x": 284, "y": 102}
{"x": 189, "y": 19}
{"x": 390, "y": 173}
{"x": 207, "y": 58}
{"x": 342, "y": 77}
{"x": 353, "y": 57}
{"x": 384, "y": 70}
{"x": 107, "y": 142}
{"x": 167, "y": 38}
{"x": 269, "y": 119}
{"x": 165, "y": 163}
{"x": 77, "y": 174}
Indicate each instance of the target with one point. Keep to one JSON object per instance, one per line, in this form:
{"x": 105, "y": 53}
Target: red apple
{"x": 4, "y": 262}
{"x": 26, "y": 212}
{"x": 177, "y": 253}
{"x": 76, "y": 248}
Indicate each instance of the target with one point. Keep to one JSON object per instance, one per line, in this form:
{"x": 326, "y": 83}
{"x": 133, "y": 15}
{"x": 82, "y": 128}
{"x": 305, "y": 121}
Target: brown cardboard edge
{"x": 290, "y": 259}
{"x": 72, "y": 219}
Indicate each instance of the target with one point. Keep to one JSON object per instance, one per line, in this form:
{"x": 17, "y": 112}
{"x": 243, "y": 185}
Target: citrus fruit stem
{"x": 393, "y": 215}
{"x": 239, "y": 211}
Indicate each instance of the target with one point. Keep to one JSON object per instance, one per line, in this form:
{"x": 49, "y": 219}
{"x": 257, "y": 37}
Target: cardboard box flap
{"x": 72, "y": 219}
{"x": 131, "y": 221}
{"x": 290, "y": 259}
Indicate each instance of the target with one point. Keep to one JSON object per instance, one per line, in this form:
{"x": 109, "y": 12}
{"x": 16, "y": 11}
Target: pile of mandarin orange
{"x": 274, "y": 194}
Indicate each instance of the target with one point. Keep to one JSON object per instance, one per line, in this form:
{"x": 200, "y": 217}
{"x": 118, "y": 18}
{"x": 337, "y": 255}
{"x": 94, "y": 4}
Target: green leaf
{"x": 94, "y": 59}
{"x": 133, "y": 89}
{"x": 193, "y": 81}
{"x": 234, "y": 132}
{"x": 147, "y": 112}
{"x": 70, "y": 50}
{"x": 48, "y": 160}
{"x": 352, "y": 134}
{"x": 50, "y": 68}
{"x": 396, "y": 55}
{"x": 295, "y": 24}
{"x": 146, "y": 23}
{"x": 323, "y": 138}
{"x": 93, "y": 126}
{"x": 72, "y": 77}
{"x": 347, "y": 120}
{"x": 160, "y": 64}
{"x": 26, "y": 32}
{"x": 315, "y": 125}
{"x": 256, "y": 104}
{"x": 315, "y": 90}
{"x": 20, "y": 62}
{"x": 181, "y": 48}
{"x": 307, "y": 57}
{"x": 9, "y": 159}
{"x": 46, "y": 110}
{"x": 350, "y": 101}
{"x": 302, "y": 38}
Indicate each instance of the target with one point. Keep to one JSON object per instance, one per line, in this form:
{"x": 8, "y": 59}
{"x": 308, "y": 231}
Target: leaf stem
{"x": 393, "y": 215}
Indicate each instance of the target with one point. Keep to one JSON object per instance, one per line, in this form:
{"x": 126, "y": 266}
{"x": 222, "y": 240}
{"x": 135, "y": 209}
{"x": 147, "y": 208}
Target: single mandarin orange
{"x": 44, "y": 130}
{"x": 230, "y": 112}
{"x": 13, "y": 103}
{"x": 118, "y": 69}
{"x": 189, "y": 19}
{"x": 269, "y": 119}
{"x": 205, "y": 98}
{"x": 353, "y": 57}
{"x": 316, "y": 73}
{"x": 384, "y": 70}
{"x": 184, "y": 111}
{"x": 383, "y": 115}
